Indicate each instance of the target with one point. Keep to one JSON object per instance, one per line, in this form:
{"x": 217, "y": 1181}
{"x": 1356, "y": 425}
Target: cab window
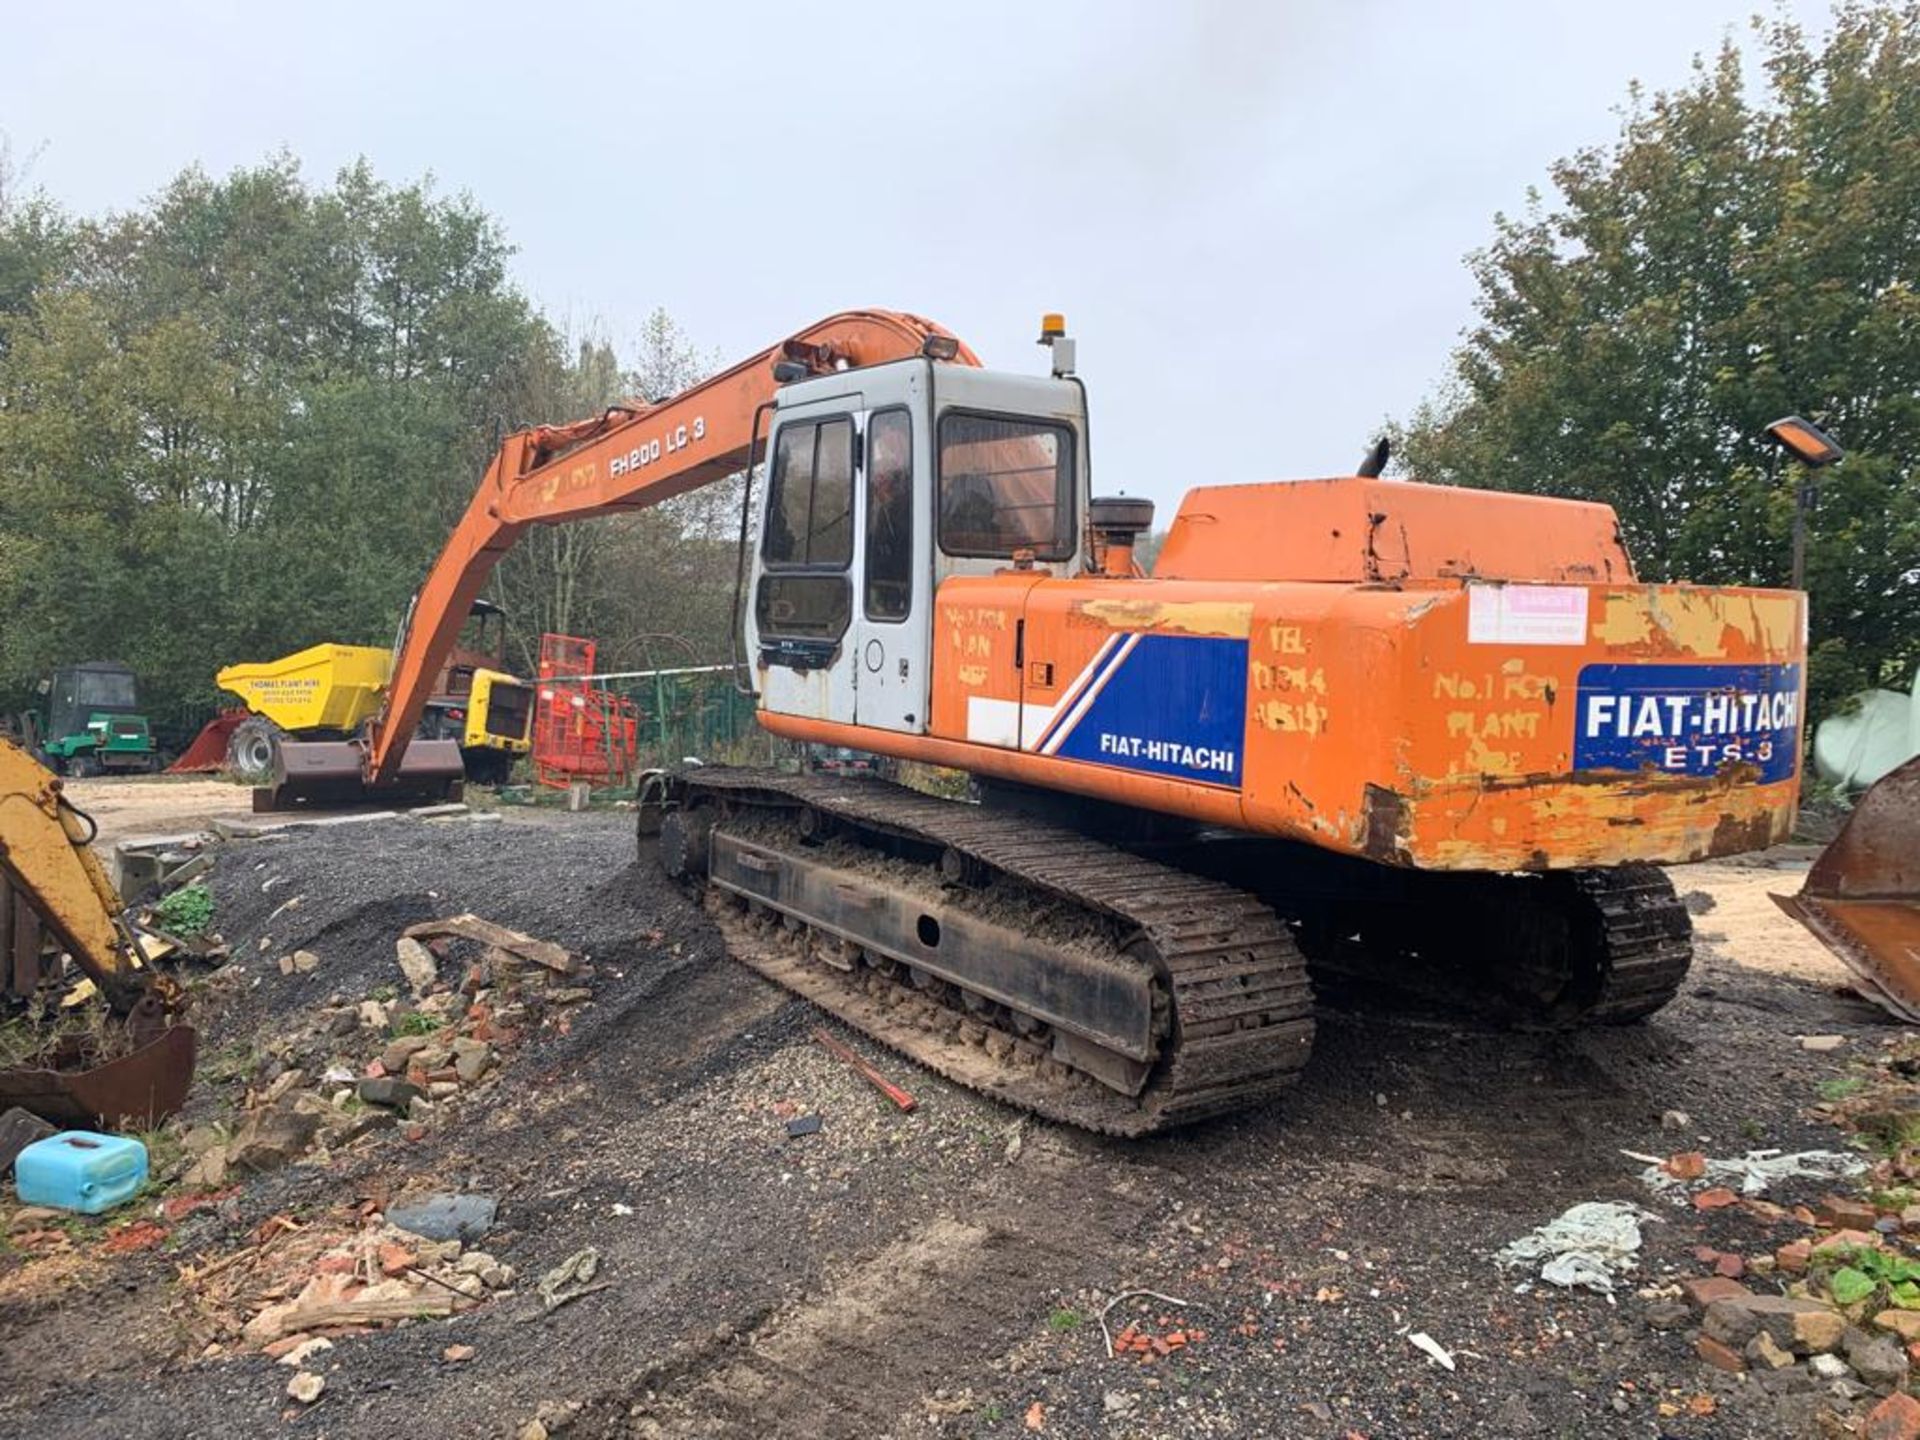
{"x": 806, "y": 593}
{"x": 1005, "y": 484}
{"x": 889, "y": 570}
{"x": 810, "y": 498}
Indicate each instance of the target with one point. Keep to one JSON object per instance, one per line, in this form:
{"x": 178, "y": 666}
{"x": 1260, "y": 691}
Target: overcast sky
{"x": 1254, "y": 215}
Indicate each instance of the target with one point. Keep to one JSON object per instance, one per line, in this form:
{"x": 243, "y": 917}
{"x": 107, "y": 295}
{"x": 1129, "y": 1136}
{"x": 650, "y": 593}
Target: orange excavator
{"x": 1352, "y": 737}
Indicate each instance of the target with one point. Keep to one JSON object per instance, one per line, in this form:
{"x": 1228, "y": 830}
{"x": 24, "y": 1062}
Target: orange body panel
{"x": 1432, "y": 721}
{"x": 1388, "y": 530}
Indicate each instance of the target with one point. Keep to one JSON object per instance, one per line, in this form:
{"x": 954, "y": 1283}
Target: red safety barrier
{"x": 580, "y": 733}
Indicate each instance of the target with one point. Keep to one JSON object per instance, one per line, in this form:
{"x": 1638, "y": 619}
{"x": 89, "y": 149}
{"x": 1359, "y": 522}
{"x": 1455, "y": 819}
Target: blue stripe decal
{"x": 1103, "y": 658}
{"x": 1176, "y": 706}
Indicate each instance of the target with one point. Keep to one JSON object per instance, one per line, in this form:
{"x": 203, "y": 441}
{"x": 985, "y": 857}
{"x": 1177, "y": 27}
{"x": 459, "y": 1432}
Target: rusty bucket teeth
{"x": 327, "y": 774}
{"x": 1862, "y": 896}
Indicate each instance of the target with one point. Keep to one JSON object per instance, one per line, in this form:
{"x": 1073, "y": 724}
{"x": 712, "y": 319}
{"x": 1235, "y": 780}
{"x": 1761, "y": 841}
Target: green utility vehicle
{"x": 93, "y": 723}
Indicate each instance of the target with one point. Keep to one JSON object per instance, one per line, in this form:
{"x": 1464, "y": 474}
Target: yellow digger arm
{"x": 44, "y": 856}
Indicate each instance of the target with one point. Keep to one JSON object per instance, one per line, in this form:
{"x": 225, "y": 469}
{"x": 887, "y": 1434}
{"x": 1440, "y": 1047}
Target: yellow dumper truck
{"x": 326, "y": 692}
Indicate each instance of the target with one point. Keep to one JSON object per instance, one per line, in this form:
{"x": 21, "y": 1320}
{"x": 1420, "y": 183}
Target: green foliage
{"x": 1841, "y": 1086}
{"x": 1730, "y": 259}
{"x": 240, "y": 419}
{"x": 1849, "y": 1285}
{"x": 1862, "y": 1272}
{"x": 1064, "y": 1320}
{"x": 417, "y": 1022}
{"x": 186, "y": 912}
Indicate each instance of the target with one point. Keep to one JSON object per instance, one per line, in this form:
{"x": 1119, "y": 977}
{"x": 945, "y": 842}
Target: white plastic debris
{"x": 1585, "y": 1247}
{"x": 1431, "y": 1348}
{"x": 1751, "y": 1173}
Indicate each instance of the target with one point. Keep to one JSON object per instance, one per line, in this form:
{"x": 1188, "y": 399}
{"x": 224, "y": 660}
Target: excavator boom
{"x": 629, "y": 458}
{"x": 44, "y": 857}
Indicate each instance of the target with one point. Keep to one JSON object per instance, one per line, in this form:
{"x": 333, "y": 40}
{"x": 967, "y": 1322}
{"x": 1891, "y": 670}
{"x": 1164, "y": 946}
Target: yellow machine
{"x": 323, "y": 687}
{"x": 328, "y": 692}
{"x": 55, "y": 898}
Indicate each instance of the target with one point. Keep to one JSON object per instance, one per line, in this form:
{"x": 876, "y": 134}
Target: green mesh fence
{"x": 689, "y": 713}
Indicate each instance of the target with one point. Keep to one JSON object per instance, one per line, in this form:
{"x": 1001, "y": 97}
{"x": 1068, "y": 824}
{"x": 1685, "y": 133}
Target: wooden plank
{"x": 471, "y": 927}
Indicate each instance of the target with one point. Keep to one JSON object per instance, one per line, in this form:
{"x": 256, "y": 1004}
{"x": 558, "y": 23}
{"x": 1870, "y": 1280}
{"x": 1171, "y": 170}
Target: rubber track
{"x": 1241, "y": 1001}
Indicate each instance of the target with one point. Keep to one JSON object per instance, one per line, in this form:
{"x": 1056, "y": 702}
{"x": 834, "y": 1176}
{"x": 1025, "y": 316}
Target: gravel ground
{"x": 939, "y": 1273}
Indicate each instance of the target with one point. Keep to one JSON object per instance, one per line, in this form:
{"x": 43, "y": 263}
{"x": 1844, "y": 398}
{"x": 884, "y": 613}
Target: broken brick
{"x": 1717, "y": 1198}
{"x": 1731, "y": 1266}
{"x": 1895, "y": 1418}
{"x": 1702, "y": 1290}
{"x": 1846, "y": 1214}
{"x": 140, "y": 1235}
{"x": 396, "y": 1259}
{"x": 1718, "y": 1355}
{"x": 1794, "y": 1256}
{"x": 1688, "y": 1165}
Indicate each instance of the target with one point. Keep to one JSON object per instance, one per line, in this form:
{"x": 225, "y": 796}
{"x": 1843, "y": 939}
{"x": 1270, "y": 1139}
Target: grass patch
{"x": 1063, "y": 1321}
{"x": 186, "y": 912}
{"x": 418, "y": 1023}
{"x": 1841, "y": 1086}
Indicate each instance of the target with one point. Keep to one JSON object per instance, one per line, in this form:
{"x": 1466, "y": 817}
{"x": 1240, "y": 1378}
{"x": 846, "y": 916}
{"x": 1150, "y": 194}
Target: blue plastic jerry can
{"x": 79, "y": 1170}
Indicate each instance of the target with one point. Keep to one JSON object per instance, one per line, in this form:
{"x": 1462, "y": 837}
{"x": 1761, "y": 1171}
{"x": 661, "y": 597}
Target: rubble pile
{"x": 1825, "y": 1299}
{"x": 472, "y": 992}
{"x": 296, "y": 1288}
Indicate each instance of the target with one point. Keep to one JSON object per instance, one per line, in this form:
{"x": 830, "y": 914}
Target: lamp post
{"x": 1814, "y": 449}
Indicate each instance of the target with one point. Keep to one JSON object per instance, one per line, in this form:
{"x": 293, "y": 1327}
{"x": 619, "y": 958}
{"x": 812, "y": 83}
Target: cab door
{"x": 801, "y": 621}
{"x": 893, "y": 609}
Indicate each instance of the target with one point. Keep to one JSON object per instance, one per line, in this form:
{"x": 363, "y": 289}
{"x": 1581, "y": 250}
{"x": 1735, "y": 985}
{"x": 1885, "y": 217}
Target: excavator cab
{"x": 882, "y": 483}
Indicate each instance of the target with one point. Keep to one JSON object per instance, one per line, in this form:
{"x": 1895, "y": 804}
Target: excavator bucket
{"x": 321, "y": 773}
{"x": 208, "y": 752}
{"x": 1862, "y": 896}
{"x": 138, "y": 1090}
{"x": 133, "y": 1072}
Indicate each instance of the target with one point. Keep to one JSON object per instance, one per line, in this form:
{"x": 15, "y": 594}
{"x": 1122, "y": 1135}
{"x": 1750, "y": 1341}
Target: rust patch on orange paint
{"x": 1231, "y": 619}
{"x": 1734, "y": 836}
{"x": 1665, "y": 620}
{"x": 1383, "y": 826}
{"x": 1587, "y": 819}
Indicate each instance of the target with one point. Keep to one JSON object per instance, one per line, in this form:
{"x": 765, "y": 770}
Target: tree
{"x": 240, "y": 419}
{"x": 1729, "y": 259}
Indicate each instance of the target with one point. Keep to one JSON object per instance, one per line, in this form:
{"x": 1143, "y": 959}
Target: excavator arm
{"x": 629, "y": 458}
{"x": 44, "y": 857}
{"x": 134, "y": 1073}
